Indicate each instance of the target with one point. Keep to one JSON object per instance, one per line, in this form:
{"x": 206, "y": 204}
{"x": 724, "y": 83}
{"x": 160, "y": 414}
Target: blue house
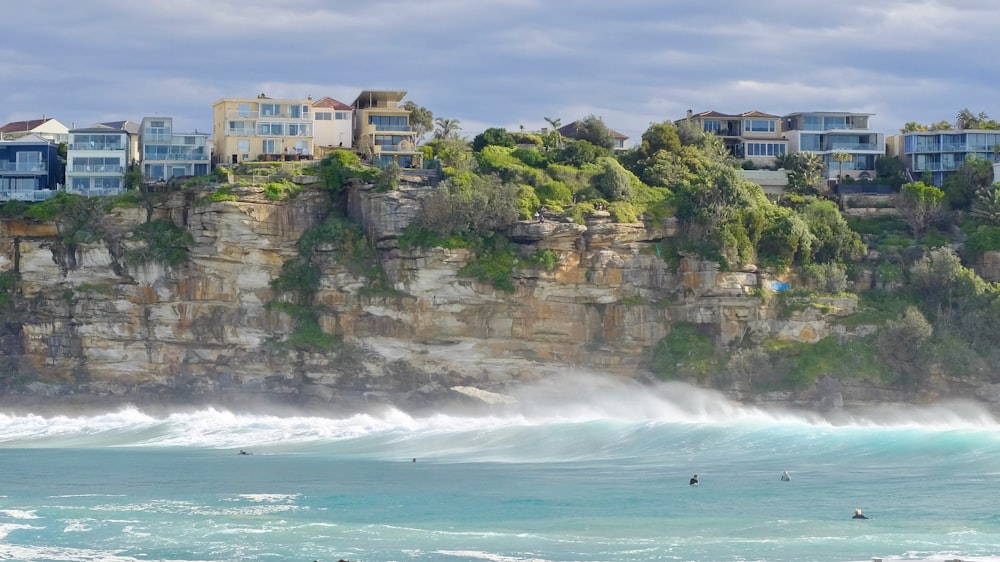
{"x": 30, "y": 169}
{"x": 942, "y": 152}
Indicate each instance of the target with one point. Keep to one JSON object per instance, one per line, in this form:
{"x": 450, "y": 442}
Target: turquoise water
{"x": 588, "y": 470}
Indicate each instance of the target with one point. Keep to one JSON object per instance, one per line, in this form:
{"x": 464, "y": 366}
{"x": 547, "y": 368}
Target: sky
{"x": 503, "y": 63}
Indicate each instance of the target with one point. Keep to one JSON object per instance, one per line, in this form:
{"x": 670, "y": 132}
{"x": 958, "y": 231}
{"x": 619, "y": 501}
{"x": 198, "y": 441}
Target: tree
{"x": 614, "y": 182}
{"x": 972, "y": 175}
{"x": 943, "y": 125}
{"x": 496, "y": 136}
{"x": 421, "y": 119}
{"x": 912, "y": 127}
{"x": 840, "y": 157}
{"x": 920, "y": 206}
{"x": 967, "y": 120}
{"x": 890, "y": 170}
{"x": 986, "y": 206}
{"x": 805, "y": 172}
{"x": 594, "y": 131}
{"x": 556, "y": 136}
{"x": 446, "y": 128}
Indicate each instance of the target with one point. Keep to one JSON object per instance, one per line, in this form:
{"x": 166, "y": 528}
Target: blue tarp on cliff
{"x": 779, "y": 286}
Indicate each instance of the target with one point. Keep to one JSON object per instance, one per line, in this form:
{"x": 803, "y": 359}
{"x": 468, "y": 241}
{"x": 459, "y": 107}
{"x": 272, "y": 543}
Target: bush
{"x": 685, "y": 353}
{"x": 160, "y": 241}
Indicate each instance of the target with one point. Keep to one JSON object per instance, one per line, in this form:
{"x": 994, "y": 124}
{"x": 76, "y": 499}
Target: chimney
{"x": 690, "y": 114}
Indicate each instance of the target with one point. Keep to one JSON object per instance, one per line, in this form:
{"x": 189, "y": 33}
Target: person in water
{"x": 785, "y": 477}
{"x": 694, "y": 480}
{"x": 858, "y": 514}
{"x": 242, "y": 452}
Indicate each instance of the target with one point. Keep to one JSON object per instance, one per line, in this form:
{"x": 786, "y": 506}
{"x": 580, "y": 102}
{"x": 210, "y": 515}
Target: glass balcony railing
{"x": 165, "y": 157}
{"x": 29, "y": 195}
{"x": 393, "y": 128}
{"x": 157, "y": 137}
{"x": 87, "y": 146}
{"x": 853, "y": 146}
{"x": 237, "y": 114}
{"x": 27, "y": 168}
{"x": 96, "y": 169}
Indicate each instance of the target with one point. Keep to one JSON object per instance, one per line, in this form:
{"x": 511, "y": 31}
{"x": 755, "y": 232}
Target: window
{"x": 189, "y": 141}
{"x": 270, "y": 146}
{"x": 156, "y": 124}
{"x": 342, "y": 116}
{"x": 269, "y": 128}
{"x": 81, "y": 184}
{"x": 758, "y": 126}
{"x": 270, "y": 109}
{"x": 389, "y": 122}
{"x": 243, "y": 146}
{"x": 323, "y": 116}
{"x": 764, "y": 149}
{"x": 28, "y": 162}
{"x": 301, "y": 147}
{"x": 243, "y": 110}
{"x": 812, "y": 123}
{"x": 712, "y": 126}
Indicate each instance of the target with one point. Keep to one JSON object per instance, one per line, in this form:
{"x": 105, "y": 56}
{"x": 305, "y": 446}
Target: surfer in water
{"x": 785, "y": 477}
{"x": 694, "y": 480}
{"x": 242, "y": 452}
{"x": 858, "y": 514}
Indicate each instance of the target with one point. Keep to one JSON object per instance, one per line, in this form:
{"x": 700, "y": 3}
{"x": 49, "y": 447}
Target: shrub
{"x": 160, "y": 241}
{"x": 685, "y": 353}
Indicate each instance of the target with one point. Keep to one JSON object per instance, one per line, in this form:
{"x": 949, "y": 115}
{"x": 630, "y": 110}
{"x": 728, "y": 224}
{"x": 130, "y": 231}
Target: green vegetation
{"x": 686, "y": 353}
{"x": 159, "y": 241}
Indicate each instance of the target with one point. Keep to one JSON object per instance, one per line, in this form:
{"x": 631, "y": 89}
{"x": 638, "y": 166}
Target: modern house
{"x": 262, "y": 128}
{"x": 383, "y": 127}
{"x": 165, "y": 154}
{"x": 940, "y": 153}
{"x": 132, "y": 129}
{"x": 333, "y": 125}
{"x": 97, "y": 160}
{"x": 753, "y": 135}
{"x": 45, "y": 127}
{"x": 828, "y": 132}
{"x": 620, "y": 140}
{"x": 30, "y": 169}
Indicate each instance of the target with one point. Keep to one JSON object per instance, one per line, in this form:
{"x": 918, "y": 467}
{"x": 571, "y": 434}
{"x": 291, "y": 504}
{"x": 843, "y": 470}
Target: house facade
{"x": 165, "y": 154}
{"x": 940, "y": 153}
{"x": 97, "y": 160}
{"x": 828, "y": 133}
{"x": 30, "y": 169}
{"x": 333, "y": 125}
{"x": 261, "y": 128}
{"x": 46, "y": 128}
{"x": 752, "y": 135}
{"x": 381, "y": 124}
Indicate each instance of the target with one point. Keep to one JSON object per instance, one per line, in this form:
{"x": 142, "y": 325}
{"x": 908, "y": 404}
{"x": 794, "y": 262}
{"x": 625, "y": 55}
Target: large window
{"x": 834, "y": 122}
{"x": 98, "y": 141}
{"x": 97, "y": 165}
{"x": 270, "y": 109}
{"x": 107, "y": 183}
{"x": 270, "y": 146}
{"x": 299, "y": 111}
{"x": 812, "y": 123}
{"x": 712, "y": 126}
{"x": 810, "y": 142}
{"x": 29, "y": 162}
{"x": 389, "y": 140}
{"x": 389, "y": 122}
{"x": 301, "y": 147}
{"x": 243, "y": 110}
{"x": 758, "y": 126}
{"x": 270, "y": 128}
{"x": 323, "y": 116}
{"x": 765, "y": 149}
{"x": 243, "y": 146}
{"x": 343, "y": 116}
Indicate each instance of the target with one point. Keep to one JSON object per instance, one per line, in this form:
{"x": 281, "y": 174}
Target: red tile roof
{"x": 330, "y": 103}
{"x": 22, "y": 126}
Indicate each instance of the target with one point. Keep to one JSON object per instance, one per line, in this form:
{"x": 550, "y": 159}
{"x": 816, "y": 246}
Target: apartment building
{"x": 940, "y": 153}
{"x": 829, "y": 132}
{"x": 752, "y": 135}
{"x": 97, "y": 159}
{"x": 261, "y": 128}
{"x": 30, "y": 169}
{"x": 167, "y": 154}
{"x": 383, "y": 125}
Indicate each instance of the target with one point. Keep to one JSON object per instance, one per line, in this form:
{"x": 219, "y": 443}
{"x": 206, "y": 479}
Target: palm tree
{"x": 556, "y": 135}
{"x": 446, "y": 128}
{"x": 840, "y": 157}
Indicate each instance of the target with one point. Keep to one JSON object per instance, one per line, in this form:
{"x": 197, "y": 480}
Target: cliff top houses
{"x": 377, "y": 125}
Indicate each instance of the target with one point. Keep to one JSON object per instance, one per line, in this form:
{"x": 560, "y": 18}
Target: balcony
{"x": 87, "y": 146}
{"x": 24, "y": 167}
{"x": 157, "y": 137}
{"x": 30, "y": 196}
{"x": 394, "y": 128}
{"x": 255, "y": 115}
{"x": 855, "y": 146}
{"x": 96, "y": 169}
{"x": 175, "y": 157}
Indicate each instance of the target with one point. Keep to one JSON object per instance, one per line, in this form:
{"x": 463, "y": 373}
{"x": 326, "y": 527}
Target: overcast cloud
{"x": 504, "y": 63}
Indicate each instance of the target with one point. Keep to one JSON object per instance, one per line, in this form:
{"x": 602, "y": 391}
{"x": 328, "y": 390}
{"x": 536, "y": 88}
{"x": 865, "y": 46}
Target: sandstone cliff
{"x": 83, "y": 325}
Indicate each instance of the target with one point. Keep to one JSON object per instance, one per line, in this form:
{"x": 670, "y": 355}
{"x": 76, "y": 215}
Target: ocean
{"x": 582, "y": 469}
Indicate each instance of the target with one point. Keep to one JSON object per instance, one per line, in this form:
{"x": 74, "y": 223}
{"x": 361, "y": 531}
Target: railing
{"x": 406, "y": 128}
{"x": 30, "y": 195}
{"x": 97, "y": 169}
{"x": 31, "y": 168}
{"x": 157, "y": 137}
{"x": 87, "y": 146}
{"x": 396, "y": 148}
{"x": 237, "y": 114}
{"x": 853, "y": 146}
{"x": 166, "y": 157}
{"x": 96, "y": 191}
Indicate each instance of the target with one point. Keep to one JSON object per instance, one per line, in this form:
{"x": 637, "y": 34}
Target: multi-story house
{"x": 829, "y": 132}
{"x": 384, "y": 126}
{"x": 46, "y": 128}
{"x": 940, "y": 153}
{"x": 333, "y": 125}
{"x": 261, "y": 128}
{"x": 97, "y": 160}
{"x": 165, "y": 154}
{"x": 30, "y": 169}
{"x": 752, "y": 135}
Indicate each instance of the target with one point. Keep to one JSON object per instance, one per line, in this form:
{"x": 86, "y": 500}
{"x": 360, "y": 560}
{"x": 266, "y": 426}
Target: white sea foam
{"x": 478, "y": 555}
{"x": 18, "y": 513}
{"x": 6, "y": 528}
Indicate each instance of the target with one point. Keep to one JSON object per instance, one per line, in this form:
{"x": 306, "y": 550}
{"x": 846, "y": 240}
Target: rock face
{"x": 82, "y": 323}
